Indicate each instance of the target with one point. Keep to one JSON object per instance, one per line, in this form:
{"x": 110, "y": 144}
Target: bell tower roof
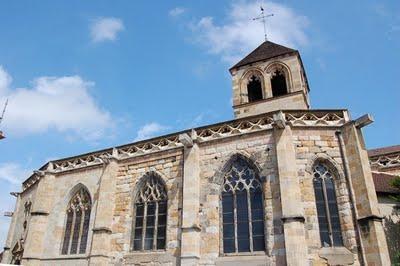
{"x": 265, "y": 51}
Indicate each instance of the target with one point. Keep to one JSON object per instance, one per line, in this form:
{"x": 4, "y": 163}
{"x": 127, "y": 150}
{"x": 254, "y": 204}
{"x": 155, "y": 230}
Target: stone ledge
{"x": 101, "y": 230}
{"x": 39, "y": 213}
{"x": 337, "y": 255}
{"x": 294, "y": 218}
{"x": 240, "y": 260}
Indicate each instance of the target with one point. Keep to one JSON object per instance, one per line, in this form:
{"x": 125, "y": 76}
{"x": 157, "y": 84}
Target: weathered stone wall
{"x": 390, "y": 210}
{"x": 169, "y": 166}
{"x": 295, "y": 79}
{"x": 322, "y": 145}
{"x": 307, "y": 144}
{"x": 66, "y": 185}
{"x": 294, "y": 101}
{"x": 16, "y": 230}
{"x": 259, "y": 148}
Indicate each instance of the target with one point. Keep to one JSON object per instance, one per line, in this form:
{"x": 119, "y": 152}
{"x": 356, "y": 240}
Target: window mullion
{"x": 250, "y": 220}
{"x": 144, "y": 224}
{"x": 235, "y": 220}
{"x": 155, "y": 227}
{"x": 328, "y": 215}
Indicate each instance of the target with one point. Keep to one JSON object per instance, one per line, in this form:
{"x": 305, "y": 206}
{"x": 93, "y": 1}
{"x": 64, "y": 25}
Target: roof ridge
{"x": 264, "y": 51}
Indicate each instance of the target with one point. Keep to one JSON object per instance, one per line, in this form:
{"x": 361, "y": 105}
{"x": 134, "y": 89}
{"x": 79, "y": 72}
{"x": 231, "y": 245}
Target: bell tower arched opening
{"x": 278, "y": 84}
{"x": 254, "y": 89}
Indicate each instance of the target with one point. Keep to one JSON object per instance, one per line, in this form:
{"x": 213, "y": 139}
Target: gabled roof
{"x": 384, "y": 150}
{"x": 265, "y": 51}
{"x": 382, "y": 183}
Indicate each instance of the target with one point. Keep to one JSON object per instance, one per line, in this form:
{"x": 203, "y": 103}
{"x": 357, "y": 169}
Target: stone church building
{"x": 280, "y": 184}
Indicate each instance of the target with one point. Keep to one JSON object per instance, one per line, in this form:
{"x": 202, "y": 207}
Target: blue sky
{"x": 85, "y": 75}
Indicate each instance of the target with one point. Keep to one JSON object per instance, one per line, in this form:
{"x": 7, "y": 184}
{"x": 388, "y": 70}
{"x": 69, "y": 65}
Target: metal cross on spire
{"x": 262, "y": 17}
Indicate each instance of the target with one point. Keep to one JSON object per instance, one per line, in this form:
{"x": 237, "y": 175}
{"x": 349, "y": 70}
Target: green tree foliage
{"x": 396, "y": 184}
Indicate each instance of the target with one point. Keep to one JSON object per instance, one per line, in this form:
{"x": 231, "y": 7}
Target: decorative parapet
{"x": 316, "y": 118}
{"x": 81, "y": 161}
{"x": 296, "y": 118}
{"x": 235, "y": 127}
{"x": 150, "y": 146}
{"x": 385, "y": 161}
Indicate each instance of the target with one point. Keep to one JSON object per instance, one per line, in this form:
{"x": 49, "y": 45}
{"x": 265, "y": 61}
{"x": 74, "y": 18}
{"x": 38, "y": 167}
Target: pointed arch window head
{"x": 254, "y": 88}
{"x": 327, "y": 208}
{"x": 150, "y": 214}
{"x": 242, "y": 209}
{"x": 77, "y": 225}
{"x": 279, "y": 83}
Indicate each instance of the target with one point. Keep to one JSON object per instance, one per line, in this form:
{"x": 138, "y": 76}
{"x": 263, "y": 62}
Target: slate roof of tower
{"x": 265, "y": 51}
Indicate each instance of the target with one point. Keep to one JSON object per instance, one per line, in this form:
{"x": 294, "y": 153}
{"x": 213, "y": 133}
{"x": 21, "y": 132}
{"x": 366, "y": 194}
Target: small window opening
{"x": 254, "y": 89}
{"x": 278, "y": 84}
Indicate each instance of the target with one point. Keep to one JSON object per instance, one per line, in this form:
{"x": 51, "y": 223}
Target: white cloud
{"x": 13, "y": 173}
{"x": 150, "y": 130}
{"x": 239, "y": 34}
{"x": 105, "y": 29}
{"x": 177, "y": 11}
{"x": 5, "y": 80}
{"x": 60, "y": 103}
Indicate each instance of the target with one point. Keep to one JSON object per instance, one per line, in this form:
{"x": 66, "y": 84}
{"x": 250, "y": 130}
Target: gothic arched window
{"x": 150, "y": 214}
{"x": 77, "y": 225}
{"x": 327, "y": 208}
{"x": 254, "y": 89}
{"x": 278, "y": 83}
{"x": 242, "y": 209}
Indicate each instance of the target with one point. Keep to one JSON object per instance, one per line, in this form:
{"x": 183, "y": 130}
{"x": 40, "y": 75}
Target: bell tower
{"x": 270, "y": 78}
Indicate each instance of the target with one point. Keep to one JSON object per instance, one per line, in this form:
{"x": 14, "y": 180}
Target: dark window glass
{"x": 82, "y": 248}
{"x": 229, "y": 245}
{"x": 75, "y": 236}
{"x": 241, "y": 200}
{"x": 258, "y": 243}
{"x": 151, "y": 214}
{"x": 77, "y": 224}
{"x": 67, "y": 234}
{"x": 160, "y": 243}
{"x": 327, "y": 208}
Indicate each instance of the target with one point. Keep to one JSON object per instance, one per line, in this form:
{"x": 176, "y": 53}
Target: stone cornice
{"x": 295, "y": 118}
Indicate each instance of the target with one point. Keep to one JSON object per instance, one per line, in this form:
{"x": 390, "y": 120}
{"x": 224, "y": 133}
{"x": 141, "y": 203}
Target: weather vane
{"x": 262, "y": 17}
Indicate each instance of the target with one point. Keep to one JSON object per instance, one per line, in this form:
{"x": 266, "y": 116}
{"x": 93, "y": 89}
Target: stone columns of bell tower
{"x": 292, "y": 206}
{"x": 35, "y": 239}
{"x": 105, "y": 196}
{"x": 190, "y": 238}
{"x": 366, "y": 202}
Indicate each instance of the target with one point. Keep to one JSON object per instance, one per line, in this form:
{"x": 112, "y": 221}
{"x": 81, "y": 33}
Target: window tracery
{"x": 77, "y": 225}
{"x": 242, "y": 210}
{"x": 327, "y": 208}
{"x": 150, "y": 215}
